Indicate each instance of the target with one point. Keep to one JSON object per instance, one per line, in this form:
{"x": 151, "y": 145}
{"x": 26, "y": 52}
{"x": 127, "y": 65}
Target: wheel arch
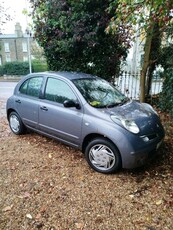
{"x": 10, "y": 111}
{"x": 92, "y": 136}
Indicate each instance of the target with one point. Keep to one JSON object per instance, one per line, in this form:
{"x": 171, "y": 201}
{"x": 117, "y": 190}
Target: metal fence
{"x": 129, "y": 84}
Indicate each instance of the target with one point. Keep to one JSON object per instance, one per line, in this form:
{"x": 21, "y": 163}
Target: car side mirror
{"x": 71, "y": 103}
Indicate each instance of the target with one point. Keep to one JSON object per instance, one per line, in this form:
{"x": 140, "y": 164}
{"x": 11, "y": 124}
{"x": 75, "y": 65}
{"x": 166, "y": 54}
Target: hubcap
{"x": 102, "y": 157}
{"x": 14, "y": 123}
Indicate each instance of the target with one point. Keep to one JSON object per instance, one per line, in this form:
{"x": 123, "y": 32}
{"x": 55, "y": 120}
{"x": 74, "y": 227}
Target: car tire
{"x": 103, "y": 156}
{"x": 16, "y": 124}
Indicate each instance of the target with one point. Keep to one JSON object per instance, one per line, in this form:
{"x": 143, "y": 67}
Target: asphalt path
{"x": 6, "y": 90}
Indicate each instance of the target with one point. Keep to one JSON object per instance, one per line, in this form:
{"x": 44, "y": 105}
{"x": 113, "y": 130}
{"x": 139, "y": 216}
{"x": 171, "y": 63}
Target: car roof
{"x": 69, "y": 75}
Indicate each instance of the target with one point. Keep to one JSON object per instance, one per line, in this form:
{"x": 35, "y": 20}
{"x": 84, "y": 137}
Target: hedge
{"x": 166, "y": 96}
{"x": 22, "y": 68}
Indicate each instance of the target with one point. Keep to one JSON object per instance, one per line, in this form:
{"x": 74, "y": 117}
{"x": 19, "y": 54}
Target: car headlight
{"x": 130, "y": 125}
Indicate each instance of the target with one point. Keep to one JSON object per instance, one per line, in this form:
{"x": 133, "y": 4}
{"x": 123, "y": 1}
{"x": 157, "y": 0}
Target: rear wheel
{"x": 16, "y": 124}
{"x": 103, "y": 156}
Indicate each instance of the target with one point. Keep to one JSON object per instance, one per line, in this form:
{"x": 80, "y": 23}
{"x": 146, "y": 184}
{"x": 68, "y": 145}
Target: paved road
{"x": 6, "y": 90}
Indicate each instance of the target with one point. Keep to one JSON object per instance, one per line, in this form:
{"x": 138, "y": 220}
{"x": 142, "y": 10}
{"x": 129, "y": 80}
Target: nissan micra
{"x": 88, "y": 113}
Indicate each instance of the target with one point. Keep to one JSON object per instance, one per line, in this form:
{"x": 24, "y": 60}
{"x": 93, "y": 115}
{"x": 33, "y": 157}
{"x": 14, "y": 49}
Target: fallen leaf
{"x": 29, "y": 216}
{"x": 50, "y": 155}
{"x": 159, "y": 202}
{"x": 7, "y": 208}
{"x": 79, "y": 225}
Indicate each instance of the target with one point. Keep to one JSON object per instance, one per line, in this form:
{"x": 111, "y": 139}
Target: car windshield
{"x": 99, "y": 93}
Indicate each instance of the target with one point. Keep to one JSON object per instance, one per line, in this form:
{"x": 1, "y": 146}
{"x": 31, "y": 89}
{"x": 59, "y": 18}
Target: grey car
{"x": 88, "y": 113}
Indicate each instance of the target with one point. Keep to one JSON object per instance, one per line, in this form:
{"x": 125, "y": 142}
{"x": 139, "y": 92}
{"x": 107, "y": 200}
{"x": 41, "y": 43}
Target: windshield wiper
{"x": 123, "y": 101}
{"x": 113, "y": 105}
{"x": 118, "y": 103}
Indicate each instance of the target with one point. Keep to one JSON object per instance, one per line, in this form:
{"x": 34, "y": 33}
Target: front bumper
{"x": 141, "y": 156}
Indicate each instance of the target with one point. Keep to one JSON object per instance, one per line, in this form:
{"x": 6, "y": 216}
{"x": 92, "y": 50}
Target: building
{"x": 15, "y": 47}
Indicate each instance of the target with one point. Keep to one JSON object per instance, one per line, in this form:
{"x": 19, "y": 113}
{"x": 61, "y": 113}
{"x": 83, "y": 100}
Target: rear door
{"x": 56, "y": 120}
{"x": 27, "y": 101}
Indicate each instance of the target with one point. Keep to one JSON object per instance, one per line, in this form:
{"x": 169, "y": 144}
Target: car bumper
{"x": 142, "y": 156}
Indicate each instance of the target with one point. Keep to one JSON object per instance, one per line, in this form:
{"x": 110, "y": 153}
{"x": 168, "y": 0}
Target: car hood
{"x": 143, "y": 115}
{"x": 131, "y": 110}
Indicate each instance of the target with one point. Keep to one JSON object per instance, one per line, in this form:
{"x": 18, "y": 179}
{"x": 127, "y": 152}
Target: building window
{"x": 7, "y": 48}
{"x": 25, "y": 58}
{"x": 24, "y": 46}
{"x": 8, "y": 58}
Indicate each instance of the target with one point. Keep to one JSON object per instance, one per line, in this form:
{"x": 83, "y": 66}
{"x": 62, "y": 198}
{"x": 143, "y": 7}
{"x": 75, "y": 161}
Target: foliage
{"x": 166, "y": 57}
{"x": 4, "y": 15}
{"x": 22, "y": 68}
{"x": 37, "y": 52}
{"x": 16, "y": 68}
{"x": 39, "y": 66}
{"x": 141, "y": 16}
{"x": 1, "y": 71}
{"x": 166, "y": 97}
{"x": 73, "y": 36}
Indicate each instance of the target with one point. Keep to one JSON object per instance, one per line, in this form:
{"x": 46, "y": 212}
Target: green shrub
{"x": 1, "y": 71}
{"x": 166, "y": 97}
{"x": 16, "y": 68}
{"x": 39, "y": 66}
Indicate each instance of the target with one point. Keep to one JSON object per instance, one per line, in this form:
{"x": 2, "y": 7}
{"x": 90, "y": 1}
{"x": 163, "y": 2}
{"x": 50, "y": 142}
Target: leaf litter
{"x": 49, "y": 186}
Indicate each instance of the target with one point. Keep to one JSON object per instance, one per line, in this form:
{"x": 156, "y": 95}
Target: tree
{"x": 147, "y": 14}
{"x": 4, "y": 16}
{"x": 73, "y": 36}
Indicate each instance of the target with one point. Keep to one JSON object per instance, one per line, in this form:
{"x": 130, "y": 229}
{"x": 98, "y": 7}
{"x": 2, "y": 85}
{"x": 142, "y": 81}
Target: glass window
{"x": 8, "y": 57}
{"x": 7, "y": 48}
{"x": 23, "y": 88}
{"x": 99, "y": 93}
{"x": 25, "y": 58}
{"x": 24, "y": 46}
{"x": 58, "y": 91}
{"x": 31, "y": 86}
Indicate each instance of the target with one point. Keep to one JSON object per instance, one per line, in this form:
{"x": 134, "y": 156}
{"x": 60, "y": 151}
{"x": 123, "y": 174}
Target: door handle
{"x": 18, "y": 101}
{"x": 44, "y": 108}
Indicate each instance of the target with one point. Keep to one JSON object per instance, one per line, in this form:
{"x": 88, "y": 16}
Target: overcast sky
{"x": 15, "y": 8}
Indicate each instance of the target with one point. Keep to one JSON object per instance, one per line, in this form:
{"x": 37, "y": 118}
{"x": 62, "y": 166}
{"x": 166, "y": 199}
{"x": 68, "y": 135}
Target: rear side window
{"x": 31, "y": 86}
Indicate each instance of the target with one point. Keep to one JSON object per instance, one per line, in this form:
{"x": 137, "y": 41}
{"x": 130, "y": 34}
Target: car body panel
{"x": 55, "y": 121}
{"x": 73, "y": 125}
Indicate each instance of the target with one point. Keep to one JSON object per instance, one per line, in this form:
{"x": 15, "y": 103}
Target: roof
{"x": 66, "y": 74}
{"x": 10, "y": 36}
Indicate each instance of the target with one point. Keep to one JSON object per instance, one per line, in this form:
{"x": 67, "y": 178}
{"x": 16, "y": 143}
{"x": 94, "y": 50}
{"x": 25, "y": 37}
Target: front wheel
{"x": 103, "y": 156}
{"x": 16, "y": 124}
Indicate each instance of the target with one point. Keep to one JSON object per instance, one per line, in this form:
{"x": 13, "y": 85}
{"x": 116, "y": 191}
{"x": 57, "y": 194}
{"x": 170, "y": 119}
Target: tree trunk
{"x": 147, "y": 49}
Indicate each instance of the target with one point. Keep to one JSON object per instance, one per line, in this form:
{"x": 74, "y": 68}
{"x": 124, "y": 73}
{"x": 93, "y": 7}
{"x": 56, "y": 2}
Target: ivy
{"x": 166, "y": 97}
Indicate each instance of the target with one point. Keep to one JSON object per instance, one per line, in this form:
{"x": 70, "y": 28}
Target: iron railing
{"x": 129, "y": 84}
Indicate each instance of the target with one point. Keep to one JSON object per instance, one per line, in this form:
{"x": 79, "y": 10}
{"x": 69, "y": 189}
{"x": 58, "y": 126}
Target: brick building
{"x": 15, "y": 47}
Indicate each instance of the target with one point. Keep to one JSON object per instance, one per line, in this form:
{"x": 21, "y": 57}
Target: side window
{"x": 31, "y": 86}
{"x": 58, "y": 91}
{"x": 23, "y": 88}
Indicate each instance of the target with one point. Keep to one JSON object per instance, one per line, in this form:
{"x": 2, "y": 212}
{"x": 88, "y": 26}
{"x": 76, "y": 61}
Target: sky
{"x": 14, "y": 8}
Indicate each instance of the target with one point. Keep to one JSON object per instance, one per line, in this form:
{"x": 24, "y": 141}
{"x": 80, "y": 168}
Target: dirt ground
{"x": 49, "y": 186}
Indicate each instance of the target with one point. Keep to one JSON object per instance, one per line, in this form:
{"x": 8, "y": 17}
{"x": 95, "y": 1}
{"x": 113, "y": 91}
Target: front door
{"x": 56, "y": 120}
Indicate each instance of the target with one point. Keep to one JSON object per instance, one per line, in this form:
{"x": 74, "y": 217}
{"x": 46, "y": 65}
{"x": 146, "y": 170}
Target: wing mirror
{"x": 71, "y": 103}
